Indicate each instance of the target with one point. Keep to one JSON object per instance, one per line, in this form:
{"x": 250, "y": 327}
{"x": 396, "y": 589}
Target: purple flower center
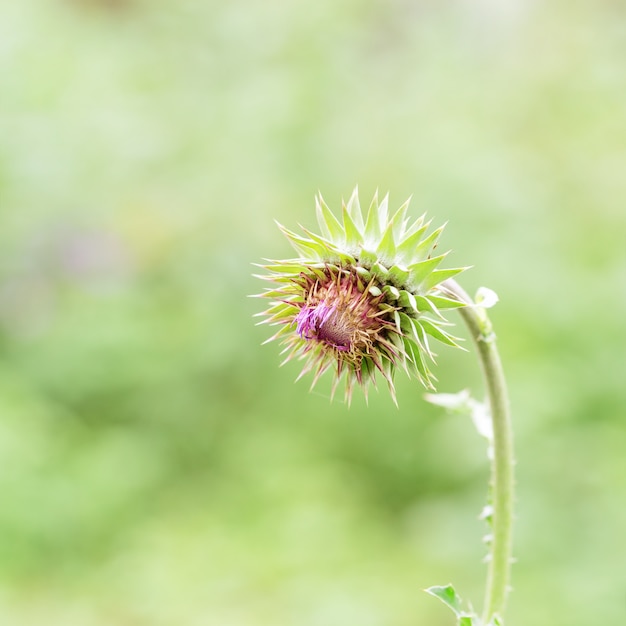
{"x": 325, "y": 323}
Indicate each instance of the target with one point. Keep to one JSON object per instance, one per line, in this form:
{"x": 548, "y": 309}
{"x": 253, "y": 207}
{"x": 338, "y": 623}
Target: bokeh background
{"x": 157, "y": 467}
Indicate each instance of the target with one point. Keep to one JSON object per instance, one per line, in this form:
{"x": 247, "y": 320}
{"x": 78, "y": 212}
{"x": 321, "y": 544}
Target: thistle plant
{"x": 367, "y": 297}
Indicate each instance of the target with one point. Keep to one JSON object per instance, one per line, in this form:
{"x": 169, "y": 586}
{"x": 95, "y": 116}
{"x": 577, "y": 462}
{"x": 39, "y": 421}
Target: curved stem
{"x": 501, "y": 486}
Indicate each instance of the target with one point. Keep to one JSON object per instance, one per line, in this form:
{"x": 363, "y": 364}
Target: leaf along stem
{"x": 502, "y": 464}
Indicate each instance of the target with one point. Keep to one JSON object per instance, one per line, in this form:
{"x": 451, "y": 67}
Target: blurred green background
{"x": 157, "y": 467}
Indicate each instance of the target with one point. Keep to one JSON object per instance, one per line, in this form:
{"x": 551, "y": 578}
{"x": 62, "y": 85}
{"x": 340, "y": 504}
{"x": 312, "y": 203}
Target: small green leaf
{"x": 452, "y": 600}
{"x": 448, "y": 596}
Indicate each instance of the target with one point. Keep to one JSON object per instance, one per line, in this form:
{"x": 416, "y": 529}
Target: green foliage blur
{"x": 157, "y": 467}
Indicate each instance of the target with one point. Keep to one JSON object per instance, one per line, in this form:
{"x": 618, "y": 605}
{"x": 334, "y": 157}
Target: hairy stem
{"x": 501, "y": 486}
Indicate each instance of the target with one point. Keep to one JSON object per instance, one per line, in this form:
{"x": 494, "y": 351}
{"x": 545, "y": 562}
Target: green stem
{"x": 499, "y": 565}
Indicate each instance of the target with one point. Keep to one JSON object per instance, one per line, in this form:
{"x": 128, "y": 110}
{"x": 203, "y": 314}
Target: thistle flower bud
{"x": 366, "y": 296}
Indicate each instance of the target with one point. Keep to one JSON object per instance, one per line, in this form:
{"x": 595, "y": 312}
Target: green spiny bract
{"x": 366, "y": 295}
